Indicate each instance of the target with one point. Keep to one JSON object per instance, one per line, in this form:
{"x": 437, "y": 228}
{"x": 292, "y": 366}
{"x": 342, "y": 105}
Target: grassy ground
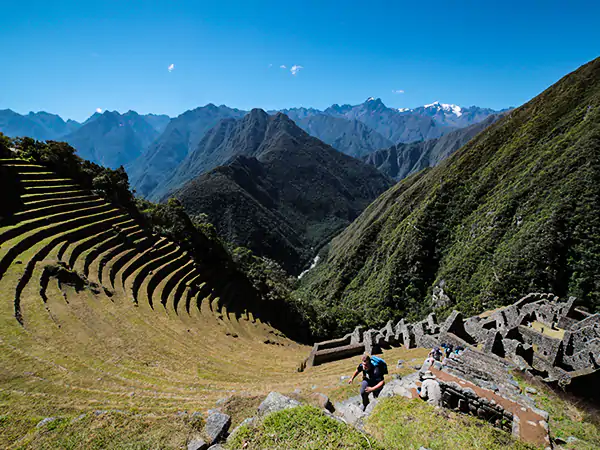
{"x": 545, "y": 329}
{"x": 84, "y": 352}
{"x": 100, "y": 431}
{"x": 400, "y": 423}
{"x": 396, "y": 424}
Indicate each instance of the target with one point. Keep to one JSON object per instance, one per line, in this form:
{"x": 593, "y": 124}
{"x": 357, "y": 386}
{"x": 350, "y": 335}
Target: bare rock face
{"x": 276, "y": 402}
{"x": 217, "y": 426}
{"x": 197, "y": 444}
{"x": 439, "y": 298}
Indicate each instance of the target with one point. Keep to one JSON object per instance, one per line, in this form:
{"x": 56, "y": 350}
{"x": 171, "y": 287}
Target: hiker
{"x": 430, "y": 389}
{"x": 434, "y": 355}
{"x": 373, "y": 370}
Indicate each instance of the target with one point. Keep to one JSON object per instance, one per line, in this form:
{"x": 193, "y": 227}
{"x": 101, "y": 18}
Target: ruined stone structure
{"x": 540, "y": 334}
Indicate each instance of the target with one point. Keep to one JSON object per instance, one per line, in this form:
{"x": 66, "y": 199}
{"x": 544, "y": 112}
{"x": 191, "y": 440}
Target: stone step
{"x": 125, "y": 257}
{"x": 38, "y": 183}
{"x": 38, "y": 175}
{"x": 29, "y": 190}
{"x": 34, "y": 201}
{"x": 47, "y": 246}
{"x": 158, "y": 259}
{"x": 21, "y": 163}
{"x": 88, "y": 242}
{"x": 183, "y": 284}
{"x": 102, "y": 247}
{"x": 140, "y": 260}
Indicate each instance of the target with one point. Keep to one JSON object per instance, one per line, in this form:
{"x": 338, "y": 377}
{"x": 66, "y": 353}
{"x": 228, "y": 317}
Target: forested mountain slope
{"x": 282, "y": 193}
{"x": 513, "y": 211}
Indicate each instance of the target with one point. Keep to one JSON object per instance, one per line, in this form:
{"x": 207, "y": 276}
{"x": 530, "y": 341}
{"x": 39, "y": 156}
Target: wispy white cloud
{"x": 397, "y": 91}
{"x": 283, "y": 66}
{"x": 171, "y": 68}
{"x": 295, "y": 69}
{"x": 99, "y": 110}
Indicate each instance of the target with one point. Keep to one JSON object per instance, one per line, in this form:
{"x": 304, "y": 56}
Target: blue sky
{"x": 71, "y": 57}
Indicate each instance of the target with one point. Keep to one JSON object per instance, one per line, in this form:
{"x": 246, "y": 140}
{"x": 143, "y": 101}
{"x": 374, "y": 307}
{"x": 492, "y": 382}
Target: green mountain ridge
{"x": 513, "y": 211}
{"x": 276, "y": 190}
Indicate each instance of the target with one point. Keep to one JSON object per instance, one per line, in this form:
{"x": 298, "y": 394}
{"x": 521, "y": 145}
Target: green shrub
{"x": 5, "y": 144}
{"x": 111, "y": 184}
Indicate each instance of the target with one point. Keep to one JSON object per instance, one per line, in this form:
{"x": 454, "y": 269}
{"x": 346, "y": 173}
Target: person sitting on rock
{"x": 430, "y": 389}
{"x": 372, "y": 379}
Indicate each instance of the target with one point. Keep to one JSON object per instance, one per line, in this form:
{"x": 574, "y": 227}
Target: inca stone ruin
{"x": 541, "y": 334}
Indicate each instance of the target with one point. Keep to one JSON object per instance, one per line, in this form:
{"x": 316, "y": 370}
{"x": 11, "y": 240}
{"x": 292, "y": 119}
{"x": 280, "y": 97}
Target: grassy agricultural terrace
{"x": 99, "y": 314}
{"x": 115, "y": 332}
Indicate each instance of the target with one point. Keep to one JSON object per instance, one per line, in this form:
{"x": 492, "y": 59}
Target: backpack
{"x": 378, "y": 362}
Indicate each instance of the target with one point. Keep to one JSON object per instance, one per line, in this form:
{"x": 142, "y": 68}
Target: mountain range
{"x": 112, "y": 139}
{"x": 267, "y": 185}
{"x": 109, "y": 138}
{"x": 152, "y": 146}
{"x": 40, "y": 125}
{"x": 355, "y": 130}
{"x": 402, "y": 160}
{"x": 181, "y": 136}
{"x": 515, "y": 210}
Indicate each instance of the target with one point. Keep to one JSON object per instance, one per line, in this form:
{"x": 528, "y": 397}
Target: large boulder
{"x": 323, "y": 401}
{"x": 216, "y": 427}
{"x": 276, "y": 402}
{"x": 352, "y": 414}
{"x": 396, "y": 387}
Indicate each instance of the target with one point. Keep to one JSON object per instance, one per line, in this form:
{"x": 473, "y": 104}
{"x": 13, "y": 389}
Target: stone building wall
{"x": 506, "y": 333}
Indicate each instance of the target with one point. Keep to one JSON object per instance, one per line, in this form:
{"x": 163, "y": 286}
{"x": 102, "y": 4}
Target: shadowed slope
{"x": 282, "y": 193}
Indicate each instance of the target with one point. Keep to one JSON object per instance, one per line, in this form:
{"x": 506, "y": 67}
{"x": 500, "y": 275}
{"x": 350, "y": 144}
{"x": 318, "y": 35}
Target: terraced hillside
{"x": 98, "y": 316}
{"x": 98, "y": 313}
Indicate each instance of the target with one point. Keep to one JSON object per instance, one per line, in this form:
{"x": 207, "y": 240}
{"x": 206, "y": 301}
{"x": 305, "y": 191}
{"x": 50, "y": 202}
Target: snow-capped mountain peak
{"x": 455, "y": 109}
{"x": 403, "y": 109}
